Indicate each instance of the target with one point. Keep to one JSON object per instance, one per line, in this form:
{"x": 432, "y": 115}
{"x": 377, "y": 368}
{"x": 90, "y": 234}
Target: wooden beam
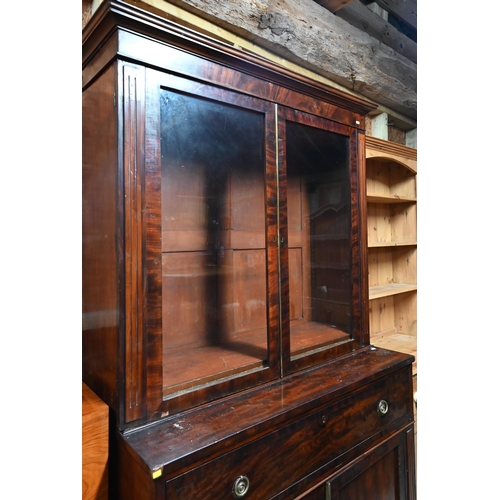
{"x": 406, "y": 10}
{"x": 375, "y": 7}
{"x": 306, "y": 34}
{"x": 366, "y": 20}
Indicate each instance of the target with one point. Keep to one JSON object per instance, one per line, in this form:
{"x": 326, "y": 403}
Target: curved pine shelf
{"x": 377, "y": 292}
{"x": 382, "y": 244}
{"x": 375, "y": 198}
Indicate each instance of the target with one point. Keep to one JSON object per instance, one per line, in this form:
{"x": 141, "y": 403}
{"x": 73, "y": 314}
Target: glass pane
{"x": 213, "y": 241}
{"x": 319, "y": 217}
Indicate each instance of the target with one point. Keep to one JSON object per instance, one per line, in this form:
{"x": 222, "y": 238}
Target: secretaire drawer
{"x": 261, "y": 469}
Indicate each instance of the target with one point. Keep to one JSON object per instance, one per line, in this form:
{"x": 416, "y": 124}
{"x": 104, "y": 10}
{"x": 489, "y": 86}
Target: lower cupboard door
{"x": 385, "y": 473}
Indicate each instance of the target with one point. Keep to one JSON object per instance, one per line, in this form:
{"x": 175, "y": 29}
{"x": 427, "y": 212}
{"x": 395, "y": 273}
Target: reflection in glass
{"x": 213, "y": 240}
{"x": 318, "y": 237}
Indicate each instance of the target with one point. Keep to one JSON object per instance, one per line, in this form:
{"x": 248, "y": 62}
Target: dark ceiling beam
{"x": 366, "y": 20}
{"x": 333, "y": 5}
{"x": 406, "y": 10}
{"x": 312, "y": 37}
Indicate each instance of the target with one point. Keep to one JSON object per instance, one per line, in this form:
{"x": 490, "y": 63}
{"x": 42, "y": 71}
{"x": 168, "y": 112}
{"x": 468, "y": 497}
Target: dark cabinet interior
{"x": 225, "y": 290}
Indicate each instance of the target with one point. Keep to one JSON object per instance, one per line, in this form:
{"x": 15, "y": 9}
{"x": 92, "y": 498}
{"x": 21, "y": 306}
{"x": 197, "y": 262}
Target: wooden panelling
{"x": 95, "y": 449}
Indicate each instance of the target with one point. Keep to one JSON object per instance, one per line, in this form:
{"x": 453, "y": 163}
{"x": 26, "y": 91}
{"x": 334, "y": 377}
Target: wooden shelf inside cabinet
{"x": 400, "y": 342}
{"x": 374, "y": 198}
{"x": 391, "y": 186}
{"x": 381, "y": 244}
{"x": 376, "y": 292}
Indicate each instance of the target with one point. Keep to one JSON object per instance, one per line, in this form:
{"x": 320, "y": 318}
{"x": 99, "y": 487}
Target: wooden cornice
{"x": 390, "y": 147}
{"x": 120, "y": 14}
{"x": 379, "y": 148}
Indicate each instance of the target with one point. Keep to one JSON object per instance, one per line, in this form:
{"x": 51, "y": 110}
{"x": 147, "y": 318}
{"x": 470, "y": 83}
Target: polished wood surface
{"x": 212, "y": 429}
{"x": 300, "y": 449}
{"x": 148, "y": 249}
{"x": 315, "y": 423}
{"x": 101, "y": 248}
{"x": 201, "y": 274}
{"x": 377, "y": 471}
{"x": 95, "y": 447}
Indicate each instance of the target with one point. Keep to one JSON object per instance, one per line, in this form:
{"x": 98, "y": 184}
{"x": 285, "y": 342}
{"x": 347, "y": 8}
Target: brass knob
{"x": 241, "y": 487}
{"x": 383, "y": 407}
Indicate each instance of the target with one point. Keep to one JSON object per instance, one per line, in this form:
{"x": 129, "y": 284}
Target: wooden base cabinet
{"x": 286, "y": 441}
{"x": 225, "y": 273}
{"x": 382, "y": 473}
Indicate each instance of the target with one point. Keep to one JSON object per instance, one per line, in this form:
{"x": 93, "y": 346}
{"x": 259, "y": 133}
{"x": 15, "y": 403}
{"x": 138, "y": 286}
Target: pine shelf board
{"x": 395, "y": 341}
{"x": 380, "y": 244}
{"x": 377, "y": 292}
{"x": 374, "y": 198}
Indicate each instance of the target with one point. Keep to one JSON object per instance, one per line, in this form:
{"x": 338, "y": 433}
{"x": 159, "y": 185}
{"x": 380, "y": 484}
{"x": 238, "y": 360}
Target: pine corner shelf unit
{"x": 391, "y": 191}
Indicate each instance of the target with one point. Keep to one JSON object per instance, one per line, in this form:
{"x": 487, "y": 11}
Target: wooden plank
{"x": 385, "y": 244}
{"x": 365, "y": 19}
{"x": 306, "y": 34}
{"x": 405, "y": 264}
{"x": 380, "y": 267}
{"x": 393, "y": 224}
{"x": 397, "y": 342}
{"x": 179, "y": 441}
{"x": 375, "y": 144}
{"x": 95, "y": 449}
{"x": 405, "y": 10}
{"x": 390, "y": 180}
{"x": 396, "y": 134}
{"x": 198, "y": 364}
{"x": 390, "y": 199}
{"x": 404, "y": 222}
{"x": 408, "y": 163}
{"x": 405, "y": 306}
{"x": 382, "y": 315}
{"x": 377, "y": 292}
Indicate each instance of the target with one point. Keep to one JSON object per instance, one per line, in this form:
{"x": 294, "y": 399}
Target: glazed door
{"x": 240, "y": 298}
{"x": 219, "y": 293}
{"x": 318, "y": 306}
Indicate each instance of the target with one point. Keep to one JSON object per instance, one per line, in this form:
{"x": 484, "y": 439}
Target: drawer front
{"x": 277, "y": 460}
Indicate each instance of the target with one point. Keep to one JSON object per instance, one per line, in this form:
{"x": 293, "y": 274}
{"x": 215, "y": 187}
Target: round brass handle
{"x": 383, "y": 407}
{"x": 241, "y": 487}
